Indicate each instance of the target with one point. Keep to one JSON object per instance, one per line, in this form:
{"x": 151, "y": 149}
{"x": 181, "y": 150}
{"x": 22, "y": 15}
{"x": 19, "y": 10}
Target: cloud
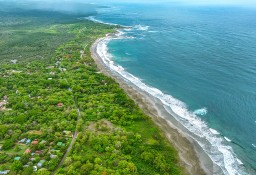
{"x": 63, "y": 6}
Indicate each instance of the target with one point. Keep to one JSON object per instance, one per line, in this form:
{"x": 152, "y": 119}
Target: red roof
{"x": 27, "y": 151}
{"x": 35, "y": 142}
{"x": 60, "y": 104}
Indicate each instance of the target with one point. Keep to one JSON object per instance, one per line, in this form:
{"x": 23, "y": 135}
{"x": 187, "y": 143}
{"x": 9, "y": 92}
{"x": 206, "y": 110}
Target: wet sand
{"x": 185, "y": 146}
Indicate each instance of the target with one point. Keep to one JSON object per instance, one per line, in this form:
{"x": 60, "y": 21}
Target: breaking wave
{"x": 92, "y": 18}
{"x": 202, "y": 111}
{"x": 227, "y": 139}
{"x": 141, "y": 27}
{"x": 126, "y": 28}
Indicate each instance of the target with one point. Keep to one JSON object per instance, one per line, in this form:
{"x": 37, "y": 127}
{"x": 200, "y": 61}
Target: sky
{"x": 245, "y": 2}
{"x": 189, "y": 2}
{"x": 178, "y": 1}
{"x": 196, "y": 2}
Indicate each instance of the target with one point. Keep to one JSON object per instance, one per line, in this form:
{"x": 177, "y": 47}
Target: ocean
{"x": 200, "y": 62}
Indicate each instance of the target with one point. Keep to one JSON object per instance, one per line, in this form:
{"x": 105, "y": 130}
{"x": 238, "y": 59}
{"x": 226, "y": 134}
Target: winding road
{"x": 78, "y": 117}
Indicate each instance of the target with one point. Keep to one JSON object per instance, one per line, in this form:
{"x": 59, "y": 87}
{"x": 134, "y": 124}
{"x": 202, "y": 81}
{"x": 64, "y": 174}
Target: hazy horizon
{"x": 189, "y": 2}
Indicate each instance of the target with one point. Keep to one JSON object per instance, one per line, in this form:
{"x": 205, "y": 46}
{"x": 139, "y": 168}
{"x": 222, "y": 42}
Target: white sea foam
{"x": 202, "y": 111}
{"x": 214, "y": 131}
{"x": 120, "y": 34}
{"x": 127, "y": 29}
{"x": 239, "y": 161}
{"x": 209, "y": 139}
{"x": 227, "y": 139}
{"x": 254, "y": 145}
{"x": 141, "y": 27}
{"x": 92, "y": 18}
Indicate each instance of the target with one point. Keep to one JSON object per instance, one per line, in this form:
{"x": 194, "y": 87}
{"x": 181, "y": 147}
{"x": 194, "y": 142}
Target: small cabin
{"x": 34, "y": 168}
{"x": 40, "y": 163}
{"x": 60, "y": 104}
{"x": 52, "y": 156}
{"x": 5, "y": 172}
{"x": 39, "y": 152}
{"x": 23, "y": 140}
{"x": 28, "y": 141}
{"x": 35, "y": 142}
{"x": 27, "y": 151}
{"x": 17, "y": 158}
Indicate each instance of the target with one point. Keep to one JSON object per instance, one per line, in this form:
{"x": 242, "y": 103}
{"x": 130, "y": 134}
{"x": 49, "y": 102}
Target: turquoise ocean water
{"x": 201, "y": 62}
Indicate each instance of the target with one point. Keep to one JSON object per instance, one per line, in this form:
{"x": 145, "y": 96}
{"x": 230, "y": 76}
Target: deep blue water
{"x": 202, "y": 56}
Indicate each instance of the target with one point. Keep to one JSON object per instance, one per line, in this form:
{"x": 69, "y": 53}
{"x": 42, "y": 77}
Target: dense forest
{"x": 59, "y": 114}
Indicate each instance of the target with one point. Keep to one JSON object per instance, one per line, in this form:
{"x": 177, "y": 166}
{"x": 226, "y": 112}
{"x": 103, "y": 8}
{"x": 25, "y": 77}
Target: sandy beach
{"x": 189, "y": 157}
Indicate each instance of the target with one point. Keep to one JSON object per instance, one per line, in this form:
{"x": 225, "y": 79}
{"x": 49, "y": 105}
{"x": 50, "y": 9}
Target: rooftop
{"x": 17, "y": 158}
{"x": 27, "y": 151}
{"x": 60, "y": 144}
{"x": 35, "y": 142}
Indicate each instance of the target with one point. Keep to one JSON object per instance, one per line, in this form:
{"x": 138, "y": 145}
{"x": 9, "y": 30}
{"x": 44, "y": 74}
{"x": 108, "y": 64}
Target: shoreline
{"x": 189, "y": 156}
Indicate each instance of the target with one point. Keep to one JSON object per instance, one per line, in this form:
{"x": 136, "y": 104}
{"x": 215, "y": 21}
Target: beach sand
{"x": 186, "y": 148}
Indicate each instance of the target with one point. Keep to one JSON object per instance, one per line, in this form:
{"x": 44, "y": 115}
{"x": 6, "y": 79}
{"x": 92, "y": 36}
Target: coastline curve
{"x": 214, "y": 157}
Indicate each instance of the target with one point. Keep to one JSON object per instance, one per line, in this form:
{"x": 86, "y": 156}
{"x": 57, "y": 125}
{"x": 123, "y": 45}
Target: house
{"x": 52, "y": 156}
{"x": 68, "y": 133}
{"x": 5, "y": 172}
{"x": 14, "y": 61}
{"x": 62, "y": 69}
{"x": 104, "y": 82}
{"x": 32, "y": 159}
{"x": 23, "y": 140}
{"x": 27, "y": 151}
{"x": 28, "y": 141}
{"x": 17, "y": 158}
{"x": 5, "y": 98}
{"x": 34, "y": 168}
{"x": 32, "y": 154}
{"x": 40, "y": 163}
{"x": 39, "y": 152}
{"x": 60, "y": 104}
{"x": 60, "y": 144}
{"x": 50, "y": 67}
{"x": 35, "y": 142}
{"x": 43, "y": 142}
{"x": 2, "y": 104}
{"x": 54, "y": 150}
{"x": 3, "y": 108}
